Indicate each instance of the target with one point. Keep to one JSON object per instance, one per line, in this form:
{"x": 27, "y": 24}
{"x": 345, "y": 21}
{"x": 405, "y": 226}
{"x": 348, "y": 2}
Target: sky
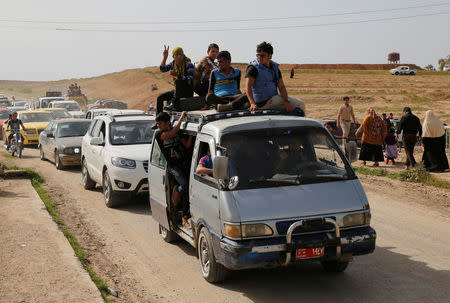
{"x": 60, "y": 39}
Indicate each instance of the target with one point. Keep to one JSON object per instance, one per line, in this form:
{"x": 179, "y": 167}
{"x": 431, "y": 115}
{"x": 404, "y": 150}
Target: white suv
{"x": 115, "y": 152}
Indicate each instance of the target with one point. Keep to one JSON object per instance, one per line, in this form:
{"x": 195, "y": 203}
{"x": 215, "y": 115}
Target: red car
{"x": 331, "y": 125}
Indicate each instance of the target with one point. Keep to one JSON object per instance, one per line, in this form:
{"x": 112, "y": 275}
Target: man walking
{"x": 410, "y": 126}
{"x": 264, "y": 81}
{"x": 345, "y": 118}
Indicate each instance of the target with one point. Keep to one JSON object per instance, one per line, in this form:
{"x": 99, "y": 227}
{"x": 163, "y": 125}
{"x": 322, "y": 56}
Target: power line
{"x": 218, "y": 21}
{"x": 227, "y": 29}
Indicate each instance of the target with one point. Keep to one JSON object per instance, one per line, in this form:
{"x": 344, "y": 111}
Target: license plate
{"x": 310, "y": 253}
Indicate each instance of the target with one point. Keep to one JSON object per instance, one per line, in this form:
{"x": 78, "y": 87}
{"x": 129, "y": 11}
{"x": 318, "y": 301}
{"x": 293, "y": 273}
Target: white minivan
{"x": 114, "y": 154}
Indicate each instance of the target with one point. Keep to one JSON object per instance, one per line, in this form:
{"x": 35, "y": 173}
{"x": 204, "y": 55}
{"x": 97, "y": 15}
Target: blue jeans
{"x": 183, "y": 187}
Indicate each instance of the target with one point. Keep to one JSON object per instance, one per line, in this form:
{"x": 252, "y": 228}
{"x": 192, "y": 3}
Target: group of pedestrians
{"x": 378, "y": 132}
{"x": 215, "y": 80}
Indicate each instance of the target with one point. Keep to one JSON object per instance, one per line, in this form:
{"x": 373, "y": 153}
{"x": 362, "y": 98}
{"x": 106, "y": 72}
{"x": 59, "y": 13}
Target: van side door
{"x": 157, "y": 185}
{"x": 204, "y": 189}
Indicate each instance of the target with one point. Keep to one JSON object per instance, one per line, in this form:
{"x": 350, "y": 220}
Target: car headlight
{"x": 357, "y": 219}
{"x": 235, "y": 231}
{"x": 31, "y": 132}
{"x": 68, "y": 151}
{"x": 122, "y": 162}
{"x": 76, "y": 150}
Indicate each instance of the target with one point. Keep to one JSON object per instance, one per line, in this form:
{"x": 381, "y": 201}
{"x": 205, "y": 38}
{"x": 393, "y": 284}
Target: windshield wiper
{"x": 328, "y": 162}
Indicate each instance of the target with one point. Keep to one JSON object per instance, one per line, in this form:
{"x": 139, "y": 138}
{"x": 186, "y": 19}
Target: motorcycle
{"x": 16, "y": 146}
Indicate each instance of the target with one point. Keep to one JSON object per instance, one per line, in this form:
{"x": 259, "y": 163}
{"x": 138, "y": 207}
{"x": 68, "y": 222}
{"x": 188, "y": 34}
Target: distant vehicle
{"x": 60, "y": 141}
{"x": 43, "y": 102}
{"x": 58, "y": 113}
{"x": 91, "y": 114}
{"x": 114, "y": 154}
{"x": 4, "y": 102}
{"x": 22, "y": 104}
{"x": 4, "y": 114}
{"x": 331, "y": 125}
{"x": 71, "y": 106}
{"x": 403, "y": 70}
{"x": 12, "y": 109}
{"x": 108, "y": 103}
{"x": 35, "y": 121}
{"x": 446, "y": 68}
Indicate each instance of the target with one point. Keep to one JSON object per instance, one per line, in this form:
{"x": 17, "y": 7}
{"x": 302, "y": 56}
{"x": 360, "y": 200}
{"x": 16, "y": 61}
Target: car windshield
{"x": 36, "y": 117}
{"x": 20, "y": 103}
{"x": 60, "y": 114}
{"x": 131, "y": 132}
{"x": 68, "y": 106}
{"x": 4, "y": 114}
{"x": 72, "y": 129}
{"x": 280, "y": 157}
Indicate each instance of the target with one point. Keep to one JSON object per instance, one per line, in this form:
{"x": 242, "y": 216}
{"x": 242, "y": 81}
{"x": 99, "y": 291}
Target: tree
{"x": 429, "y": 67}
{"x": 443, "y": 61}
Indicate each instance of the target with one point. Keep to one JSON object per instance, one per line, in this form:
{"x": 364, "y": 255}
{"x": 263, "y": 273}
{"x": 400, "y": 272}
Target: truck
{"x": 403, "y": 70}
{"x": 282, "y": 192}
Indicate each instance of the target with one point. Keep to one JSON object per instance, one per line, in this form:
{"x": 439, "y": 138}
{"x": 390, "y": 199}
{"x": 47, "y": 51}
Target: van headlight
{"x": 236, "y": 231}
{"x": 357, "y": 219}
{"x": 123, "y": 163}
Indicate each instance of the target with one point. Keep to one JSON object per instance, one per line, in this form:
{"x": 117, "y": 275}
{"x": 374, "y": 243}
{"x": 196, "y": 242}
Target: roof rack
{"x": 202, "y": 119}
{"x": 113, "y": 116}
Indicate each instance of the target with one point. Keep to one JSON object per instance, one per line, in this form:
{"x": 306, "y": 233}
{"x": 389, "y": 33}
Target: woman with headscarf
{"x": 433, "y": 142}
{"x": 373, "y": 131}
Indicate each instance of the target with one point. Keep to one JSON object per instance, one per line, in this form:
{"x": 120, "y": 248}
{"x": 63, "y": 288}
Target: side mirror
{"x": 220, "y": 167}
{"x": 97, "y": 141}
{"x": 50, "y": 135}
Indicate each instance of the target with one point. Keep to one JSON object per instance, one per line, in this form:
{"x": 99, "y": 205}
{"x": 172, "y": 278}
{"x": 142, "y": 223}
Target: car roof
{"x": 72, "y": 120}
{"x": 53, "y": 109}
{"x": 33, "y": 111}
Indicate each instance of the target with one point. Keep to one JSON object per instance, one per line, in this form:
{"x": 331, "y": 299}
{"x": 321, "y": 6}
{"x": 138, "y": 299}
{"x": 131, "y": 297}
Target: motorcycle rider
{"x": 14, "y": 124}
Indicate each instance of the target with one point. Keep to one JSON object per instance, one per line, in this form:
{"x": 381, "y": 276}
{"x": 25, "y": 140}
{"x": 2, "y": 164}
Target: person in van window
{"x": 205, "y": 165}
{"x": 182, "y": 71}
{"x": 224, "y": 86}
{"x": 203, "y": 70}
{"x": 265, "y": 86}
{"x": 175, "y": 149}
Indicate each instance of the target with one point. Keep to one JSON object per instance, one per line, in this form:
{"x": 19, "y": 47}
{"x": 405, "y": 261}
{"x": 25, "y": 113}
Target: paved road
{"x": 411, "y": 262}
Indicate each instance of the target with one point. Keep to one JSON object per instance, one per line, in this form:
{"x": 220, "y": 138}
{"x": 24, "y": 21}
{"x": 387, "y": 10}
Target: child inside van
{"x": 391, "y": 146}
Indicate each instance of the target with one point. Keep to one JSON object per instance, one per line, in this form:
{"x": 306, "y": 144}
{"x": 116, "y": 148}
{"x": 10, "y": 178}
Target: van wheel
{"x": 334, "y": 266}
{"x": 58, "y": 162}
{"x": 168, "y": 235}
{"x": 112, "y": 197}
{"x": 211, "y": 270}
{"x": 88, "y": 183}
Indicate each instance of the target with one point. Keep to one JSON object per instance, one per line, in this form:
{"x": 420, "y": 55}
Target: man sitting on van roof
{"x": 224, "y": 85}
{"x": 264, "y": 81}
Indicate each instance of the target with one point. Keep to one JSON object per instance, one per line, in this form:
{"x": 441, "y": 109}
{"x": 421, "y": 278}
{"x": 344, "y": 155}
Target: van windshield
{"x": 68, "y": 106}
{"x": 288, "y": 156}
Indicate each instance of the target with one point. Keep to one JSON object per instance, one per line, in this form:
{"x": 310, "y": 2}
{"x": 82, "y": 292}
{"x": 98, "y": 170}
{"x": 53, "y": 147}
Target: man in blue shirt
{"x": 182, "y": 71}
{"x": 224, "y": 85}
{"x": 265, "y": 86}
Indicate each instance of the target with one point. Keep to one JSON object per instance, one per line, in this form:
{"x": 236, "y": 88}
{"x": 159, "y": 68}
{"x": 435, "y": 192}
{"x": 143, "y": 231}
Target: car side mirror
{"x": 220, "y": 167}
{"x": 97, "y": 141}
{"x": 50, "y": 135}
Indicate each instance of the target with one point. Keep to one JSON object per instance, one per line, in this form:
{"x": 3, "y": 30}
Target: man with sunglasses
{"x": 265, "y": 86}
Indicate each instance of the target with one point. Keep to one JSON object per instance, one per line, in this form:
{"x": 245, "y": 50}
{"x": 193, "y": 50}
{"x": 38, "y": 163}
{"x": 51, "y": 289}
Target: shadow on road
{"x": 384, "y": 276}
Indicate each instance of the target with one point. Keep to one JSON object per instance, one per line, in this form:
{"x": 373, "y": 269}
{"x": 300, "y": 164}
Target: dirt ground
{"x": 411, "y": 262}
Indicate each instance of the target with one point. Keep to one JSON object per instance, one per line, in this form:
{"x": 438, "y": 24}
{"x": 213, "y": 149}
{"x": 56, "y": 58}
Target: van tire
{"x": 334, "y": 265}
{"x": 112, "y": 198}
{"x": 88, "y": 183}
{"x": 41, "y": 153}
{"x": 167, "y": 235}
{"x": 211, "y": 270}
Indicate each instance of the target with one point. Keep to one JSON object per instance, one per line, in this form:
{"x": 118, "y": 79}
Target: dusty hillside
{"x": 322, "y": 89}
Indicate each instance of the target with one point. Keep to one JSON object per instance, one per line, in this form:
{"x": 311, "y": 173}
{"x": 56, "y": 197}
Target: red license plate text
{"x": 310, "y": 253}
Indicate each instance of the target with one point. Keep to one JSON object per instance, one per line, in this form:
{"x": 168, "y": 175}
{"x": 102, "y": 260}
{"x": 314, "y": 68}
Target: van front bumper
{"x": 259, "y": 253}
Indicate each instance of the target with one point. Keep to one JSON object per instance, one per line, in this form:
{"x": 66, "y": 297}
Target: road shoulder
{"x": 38, "y": 263}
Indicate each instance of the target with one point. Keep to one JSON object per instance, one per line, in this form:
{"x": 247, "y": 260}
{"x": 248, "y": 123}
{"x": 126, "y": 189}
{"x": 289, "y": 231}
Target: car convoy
{"x": 281, "y": 191}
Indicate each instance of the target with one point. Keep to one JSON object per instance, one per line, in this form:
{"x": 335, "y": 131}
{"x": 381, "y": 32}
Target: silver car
{"x": 60, "y": 141}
